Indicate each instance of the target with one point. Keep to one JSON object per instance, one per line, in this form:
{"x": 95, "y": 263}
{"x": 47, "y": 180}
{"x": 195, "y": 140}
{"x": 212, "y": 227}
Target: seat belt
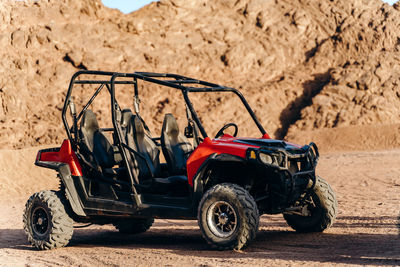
{"x": 136, "y": 104}
{"x": 194, "y": 126}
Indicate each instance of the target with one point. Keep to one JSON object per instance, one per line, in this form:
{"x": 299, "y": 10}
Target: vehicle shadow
{"x": 284, "y": 244}
{"x": 398, "y": 223}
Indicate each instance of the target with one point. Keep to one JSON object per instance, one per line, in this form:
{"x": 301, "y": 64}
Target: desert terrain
{"x": 324, "y": 71}
{"x": 366, "y": 231}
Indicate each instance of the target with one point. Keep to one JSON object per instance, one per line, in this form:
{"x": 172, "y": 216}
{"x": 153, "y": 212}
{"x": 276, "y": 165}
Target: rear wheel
{"x": 133, "y": 226}
{"x": 321, "y": 208}
{"x": 228, "y": 217}
{"x": 46, "y": 222}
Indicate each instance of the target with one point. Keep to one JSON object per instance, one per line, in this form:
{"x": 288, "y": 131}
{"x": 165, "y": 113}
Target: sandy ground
{"x": 366, "y": 231}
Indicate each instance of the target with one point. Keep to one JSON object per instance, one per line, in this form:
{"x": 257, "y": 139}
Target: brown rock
{"x": 75, "y": 57}
{"x": 303, "y": 65}
{"x": 18, "y": 39}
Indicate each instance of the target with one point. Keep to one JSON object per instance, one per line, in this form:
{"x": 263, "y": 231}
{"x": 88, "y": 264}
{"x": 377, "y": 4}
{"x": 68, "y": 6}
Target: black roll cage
{"x": 176, "y": 81}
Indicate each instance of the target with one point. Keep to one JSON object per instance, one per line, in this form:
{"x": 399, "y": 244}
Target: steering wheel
{"x": 226, "y": 126}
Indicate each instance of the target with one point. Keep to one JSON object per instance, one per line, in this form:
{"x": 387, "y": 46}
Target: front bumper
{"x": 307, "y": 154}
{"x": 296, "y": 163}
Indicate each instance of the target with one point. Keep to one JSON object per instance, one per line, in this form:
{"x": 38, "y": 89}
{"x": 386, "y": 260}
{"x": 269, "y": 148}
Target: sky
{"x": 127, "y": 6}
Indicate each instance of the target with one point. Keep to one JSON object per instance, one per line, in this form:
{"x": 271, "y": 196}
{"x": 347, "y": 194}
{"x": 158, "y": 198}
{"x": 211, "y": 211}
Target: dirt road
{"x": 366, "y": 231}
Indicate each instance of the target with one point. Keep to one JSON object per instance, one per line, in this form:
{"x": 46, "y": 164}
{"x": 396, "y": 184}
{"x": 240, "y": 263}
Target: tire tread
{"x": 62, "y": 225}
{"x": 329, "y": 204}
{"x": 251, "y": 223}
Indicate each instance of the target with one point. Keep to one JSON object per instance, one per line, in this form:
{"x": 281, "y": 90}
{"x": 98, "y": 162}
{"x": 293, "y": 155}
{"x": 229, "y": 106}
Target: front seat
{"x": 175, "y": 146}
{"x": 144, "y": 159}
{"x": 146, "y": 146}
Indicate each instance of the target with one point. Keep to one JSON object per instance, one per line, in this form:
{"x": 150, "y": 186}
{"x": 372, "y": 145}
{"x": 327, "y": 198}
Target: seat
{"x": 126, "y": 115}
{"x": 96, "y": 147}
{"x": 175, "y": 146}
{"x": 144, "y": 159}
{"x": 146, "y": 146}
{"x": 144, "y": 153}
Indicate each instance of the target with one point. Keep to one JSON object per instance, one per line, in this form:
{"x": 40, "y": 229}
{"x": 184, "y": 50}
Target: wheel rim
{"x": 40, "y": 221}
{"x": 222, "y": 219}
{"x": 312, "y": 205}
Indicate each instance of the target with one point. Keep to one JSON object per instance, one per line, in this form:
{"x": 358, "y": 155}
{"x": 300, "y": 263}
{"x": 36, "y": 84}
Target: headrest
{"x": 170, "y": 126}
{"x": 89, "y": 121}
{"x": 126, "y": 117}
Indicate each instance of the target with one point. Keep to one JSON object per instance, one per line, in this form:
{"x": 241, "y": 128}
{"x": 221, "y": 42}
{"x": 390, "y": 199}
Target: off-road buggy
{"x": 226, "y": 183}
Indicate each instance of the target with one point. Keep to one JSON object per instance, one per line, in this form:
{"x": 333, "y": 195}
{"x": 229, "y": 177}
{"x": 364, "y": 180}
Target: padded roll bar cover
{"x": 175, "y": 145}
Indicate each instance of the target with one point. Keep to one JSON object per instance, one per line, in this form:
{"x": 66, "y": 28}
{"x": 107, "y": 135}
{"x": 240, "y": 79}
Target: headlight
{"x": 266, "y": 159}
{"x": 271, "y": 159}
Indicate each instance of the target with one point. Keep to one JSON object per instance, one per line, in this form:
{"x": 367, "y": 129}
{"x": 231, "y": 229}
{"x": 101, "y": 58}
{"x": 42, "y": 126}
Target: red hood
{"x": 233, "y": 146}
{"x": 246, "y": 142}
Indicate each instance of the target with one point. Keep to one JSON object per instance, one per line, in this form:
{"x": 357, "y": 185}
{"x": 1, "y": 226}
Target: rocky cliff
{"x": 310, "y": 69}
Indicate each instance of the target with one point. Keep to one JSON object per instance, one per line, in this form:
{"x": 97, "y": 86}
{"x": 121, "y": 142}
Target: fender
{"x": 198, "y": 184}
{"x": 209, "y": 147}
{"x": 61, "y": 159}
{"x": 63, "y": 154}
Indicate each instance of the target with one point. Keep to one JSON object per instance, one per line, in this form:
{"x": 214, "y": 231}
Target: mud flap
{"x": 66, "y": 178}
{"x": 70, "y": 189}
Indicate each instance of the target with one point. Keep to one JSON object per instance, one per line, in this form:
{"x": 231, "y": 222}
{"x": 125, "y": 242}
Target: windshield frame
{"x": 222, "y": 89}
{"x": 183, "y": 83}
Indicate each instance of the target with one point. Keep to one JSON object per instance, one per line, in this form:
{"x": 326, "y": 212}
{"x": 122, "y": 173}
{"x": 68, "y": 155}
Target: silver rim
{"x": 221, "y": 219}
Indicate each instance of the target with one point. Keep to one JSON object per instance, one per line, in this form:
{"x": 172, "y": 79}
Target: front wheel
{"x": 321, "y": 208}
{"x": 228, "y": 217}
{"x": 46, "y": 222}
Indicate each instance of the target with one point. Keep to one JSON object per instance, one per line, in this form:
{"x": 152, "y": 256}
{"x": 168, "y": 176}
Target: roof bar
{"x": 102, "y": 82}
{"x": 182, "y": 81}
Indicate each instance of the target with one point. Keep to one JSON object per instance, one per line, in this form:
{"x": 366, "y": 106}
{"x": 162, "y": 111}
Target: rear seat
{"x": 95, "y": 147}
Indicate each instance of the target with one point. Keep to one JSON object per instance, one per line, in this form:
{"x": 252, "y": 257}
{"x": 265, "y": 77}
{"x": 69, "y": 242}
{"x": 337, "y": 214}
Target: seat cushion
{"x": 172, "y": 180}
{"x": 103, "y": 151}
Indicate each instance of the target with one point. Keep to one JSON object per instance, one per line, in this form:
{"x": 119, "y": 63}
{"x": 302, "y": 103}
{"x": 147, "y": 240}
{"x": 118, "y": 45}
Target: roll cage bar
{"x": 185, "y": 84}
